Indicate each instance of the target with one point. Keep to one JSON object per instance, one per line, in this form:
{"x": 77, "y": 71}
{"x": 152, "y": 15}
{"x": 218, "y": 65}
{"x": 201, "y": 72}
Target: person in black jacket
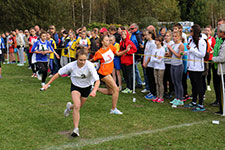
{"x": 113, "y": 31}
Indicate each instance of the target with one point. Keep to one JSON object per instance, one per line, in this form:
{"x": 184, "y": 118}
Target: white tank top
{"x": 175, "y": 61}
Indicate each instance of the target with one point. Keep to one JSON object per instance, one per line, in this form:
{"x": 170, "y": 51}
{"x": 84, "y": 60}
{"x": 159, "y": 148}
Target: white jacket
{"x": 158, "y": 63}
{"x": 196, "y": 56}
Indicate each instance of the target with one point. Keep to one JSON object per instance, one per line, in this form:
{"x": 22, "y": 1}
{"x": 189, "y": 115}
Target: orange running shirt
{"x": 106, "y": 57}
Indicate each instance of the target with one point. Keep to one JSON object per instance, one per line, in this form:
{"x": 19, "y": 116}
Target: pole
{"x": 133, "y": 74}
{"x": 223, "y": 94}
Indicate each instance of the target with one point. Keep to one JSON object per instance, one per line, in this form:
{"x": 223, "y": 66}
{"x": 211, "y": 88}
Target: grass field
{"x": 31, "y": 119}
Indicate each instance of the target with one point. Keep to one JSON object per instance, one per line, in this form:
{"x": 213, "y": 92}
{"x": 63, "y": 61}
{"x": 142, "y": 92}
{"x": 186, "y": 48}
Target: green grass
{"x": 31, "y": 119}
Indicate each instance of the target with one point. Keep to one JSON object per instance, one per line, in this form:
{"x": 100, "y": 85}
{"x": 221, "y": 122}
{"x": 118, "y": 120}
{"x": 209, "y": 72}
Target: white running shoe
{"x": 116, "y": 111}
{"x": 208, "y": 88}
{"x": 67, "y": 110}
{"x": 145, "y": 91}
{"x": 38, "y": 76}
{"x": 75, "y": 132}
{"x": 42, "y": 84}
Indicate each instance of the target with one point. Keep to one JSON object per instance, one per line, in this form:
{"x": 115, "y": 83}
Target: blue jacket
{"x": 136, "y": 38}
{"x": 2, "y": 45}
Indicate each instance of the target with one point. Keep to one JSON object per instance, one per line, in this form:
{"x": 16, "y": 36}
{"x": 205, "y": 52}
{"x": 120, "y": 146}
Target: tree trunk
{"x": 90, "y": 12}
{"x": 82, "y": 9}
{"x": 74, "y": 23}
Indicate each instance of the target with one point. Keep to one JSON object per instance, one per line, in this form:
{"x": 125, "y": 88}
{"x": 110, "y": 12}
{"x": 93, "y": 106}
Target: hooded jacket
{"x": 127, "y": 58}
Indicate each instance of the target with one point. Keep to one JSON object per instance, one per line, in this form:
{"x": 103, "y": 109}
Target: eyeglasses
{"x": 132, "y": 28}
{"x": 51, "y": 28}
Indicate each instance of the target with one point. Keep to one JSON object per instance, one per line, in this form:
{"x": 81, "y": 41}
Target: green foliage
{"x": 101, "y": 25}
{"x": 199, "y": 13}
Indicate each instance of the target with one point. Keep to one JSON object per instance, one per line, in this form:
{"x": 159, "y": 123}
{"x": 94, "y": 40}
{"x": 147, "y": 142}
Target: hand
{"x": 188, "y": 47}
{"x": 167, "y": 54}
{"x": 211, "y": 52}
{"x": 169, "y": 47}
{"x": 144, "y": 65}
{"x": 57, "y": 56}
{"x": 43, "y": 52}
{"x": 159, "y": 57}
{"x": 93, "y": 94}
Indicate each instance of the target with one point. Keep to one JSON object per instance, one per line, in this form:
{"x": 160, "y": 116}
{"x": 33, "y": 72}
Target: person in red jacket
{"x": 212, "y": 42}
{"x": 127, "y": 60}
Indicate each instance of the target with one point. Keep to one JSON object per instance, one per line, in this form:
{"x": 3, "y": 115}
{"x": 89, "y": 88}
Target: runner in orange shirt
{"x": 106, "y": 55}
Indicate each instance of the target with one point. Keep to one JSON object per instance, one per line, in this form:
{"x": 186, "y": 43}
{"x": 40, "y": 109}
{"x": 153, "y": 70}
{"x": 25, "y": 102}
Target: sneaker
{"x": 156, "y": 99}
{"x": 38, "y": 76}
{"x": 173, "y": 101}
{"x": 150, "y": 96}
{"x": 218, "y": 113}
{"x": 145, "y": 91}
{"x": 116, "y": 111}
{"x": 178, "y": 103}
{"x": 33, "y": 75}
{"x": 214, "y": 104}
{"x": 160, "y": 100}
{"x": 20, "y": 64}
{"x": 29, "y": 67}
{"x": 208, "y": 88}
{"x": 67, "y": 110}
{"x": 143, "y": 83}
{"x": 190, "y": 105}
{"x": 75, "y": 132}
{"x": 186, "y": 97}
{"x": 127, "y": 91}
{"x": 42, "y": 84}
{"x": 196, "y": 109}
{"x": 50, "y": 76}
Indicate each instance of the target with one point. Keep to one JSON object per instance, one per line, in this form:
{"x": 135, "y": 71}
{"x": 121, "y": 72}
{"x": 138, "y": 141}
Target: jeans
{"x": 21, "y": 56}
{"x": 137, "y": 74}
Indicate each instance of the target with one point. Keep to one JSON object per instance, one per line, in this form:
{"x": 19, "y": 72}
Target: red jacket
{"x": 212, "y": 42}
{"x": 127, "y": 58}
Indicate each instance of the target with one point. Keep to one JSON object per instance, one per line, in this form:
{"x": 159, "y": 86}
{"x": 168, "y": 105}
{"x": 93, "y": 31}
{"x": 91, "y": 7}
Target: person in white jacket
{"x": 196, "y": 53}
{"x": 159, "y": 68}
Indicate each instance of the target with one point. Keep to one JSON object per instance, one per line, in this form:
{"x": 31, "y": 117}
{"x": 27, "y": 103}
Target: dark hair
{"x": 209, "y": 26}
{"x": 101, "y": 39}
{"x": 43, "y": 32}
{"x": 81, "y": 51}
{"x": 196, "y": 33}
{"x": 160, "y": 39}
{"x": 153, "y": 34}
{"x": 112, "y": 28}
{"x": 122, "y": 28}
{"x": 178, "y": 25}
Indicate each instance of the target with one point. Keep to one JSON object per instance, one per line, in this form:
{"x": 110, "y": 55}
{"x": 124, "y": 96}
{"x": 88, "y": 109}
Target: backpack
{"x": 207, "y": 54}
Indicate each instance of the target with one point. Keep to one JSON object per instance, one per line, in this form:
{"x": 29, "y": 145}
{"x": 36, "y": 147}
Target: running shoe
{"x": 150, "y": 96}
{"x": 75, "y": 133}
{"x": 197, "y": 109}
{"x": 116, "y": 111}
{"x": 38, "y": 76}
{"x": 173, "y": 101}
{"x": 186, "y": 97}
{"x": 156, "y": 99}
{"x": 67, "y": 110}
{"x": 43, "y": 84}
{"x": 160, "y": 100}
{"x": 127, "y": 91}
{"x": 190, "y": 105}
{"x": 178, "y": 103}
{"x": 33, "y": 75}
{"x": 209, "y": 88}
{"x": 145, "y": 91}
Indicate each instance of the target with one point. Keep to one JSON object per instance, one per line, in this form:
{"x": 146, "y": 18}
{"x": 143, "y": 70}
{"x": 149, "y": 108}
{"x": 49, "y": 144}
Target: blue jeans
{"x": 137, "y": 74}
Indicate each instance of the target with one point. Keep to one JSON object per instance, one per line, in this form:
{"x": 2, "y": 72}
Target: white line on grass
{"x": 110, "y": 138}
